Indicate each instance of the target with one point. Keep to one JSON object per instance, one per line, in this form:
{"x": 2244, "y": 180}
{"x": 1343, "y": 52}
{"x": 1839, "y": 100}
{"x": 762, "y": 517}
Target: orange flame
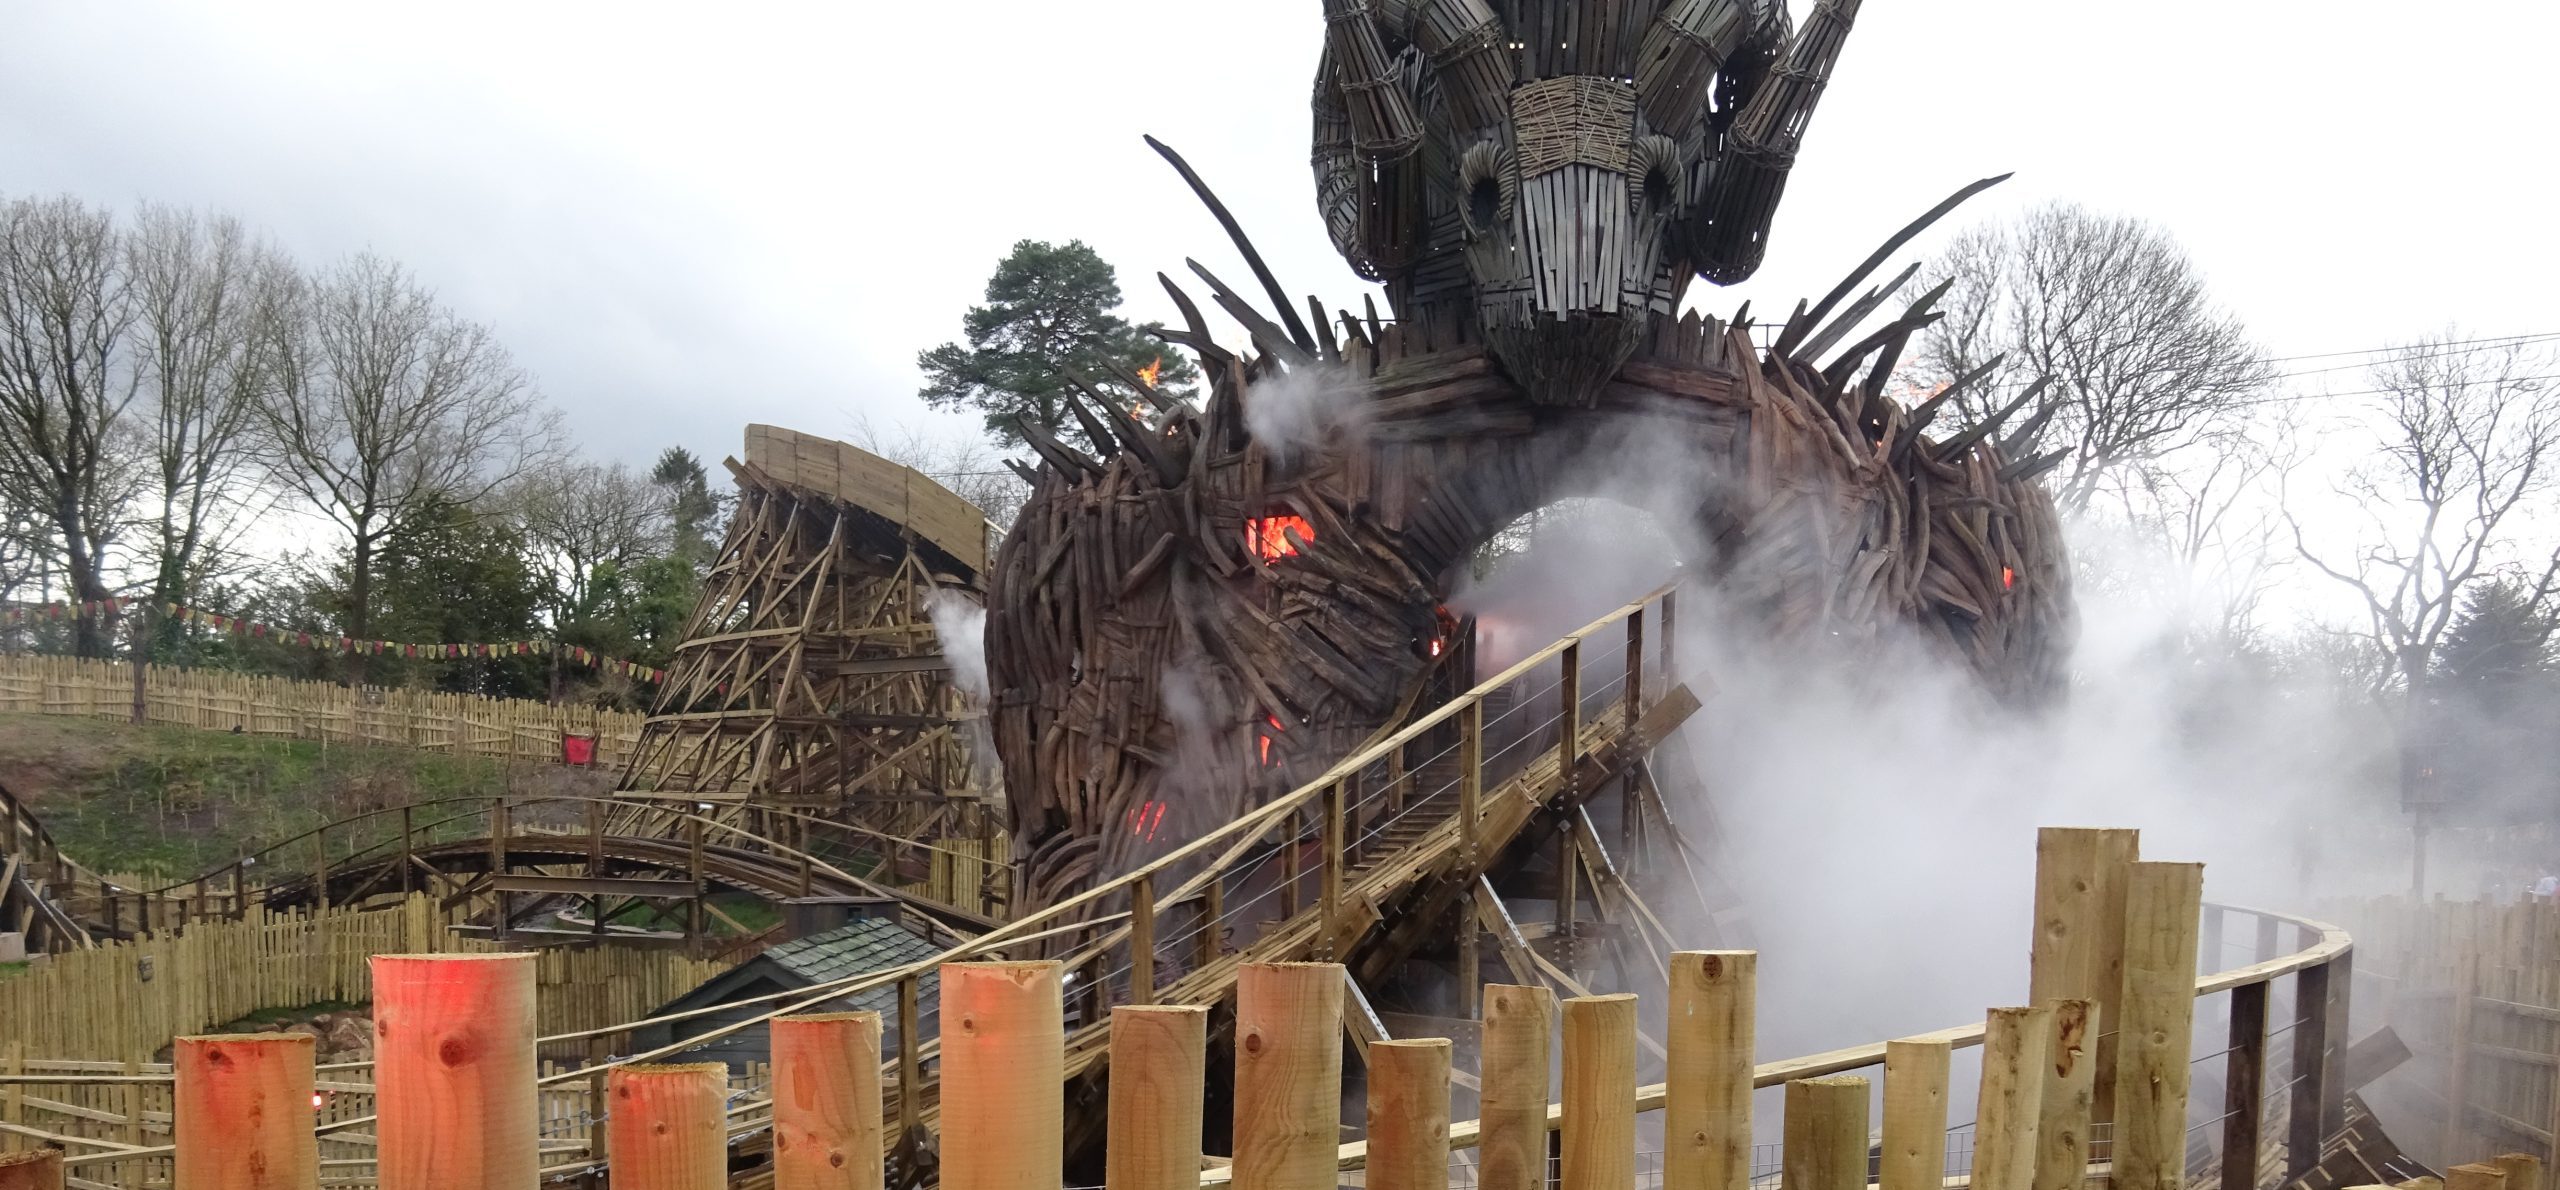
{"x": 1269, "y": 535}
{"x": 1154, "y": 368}
{"x": 1276, "y": 729}
{"x": 2008, "y": 578}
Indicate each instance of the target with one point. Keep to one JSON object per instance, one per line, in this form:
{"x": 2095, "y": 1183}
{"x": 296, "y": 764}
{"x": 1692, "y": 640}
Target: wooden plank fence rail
{"x": 214, "y": 700}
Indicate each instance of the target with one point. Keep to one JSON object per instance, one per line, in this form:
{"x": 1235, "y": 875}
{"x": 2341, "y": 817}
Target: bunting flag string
{"x": 250, "y": 629}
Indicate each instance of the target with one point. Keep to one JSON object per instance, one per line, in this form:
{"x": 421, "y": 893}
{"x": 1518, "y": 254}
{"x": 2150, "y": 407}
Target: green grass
{"x": 172, "y": 802}
{"x": 9, "y": 971}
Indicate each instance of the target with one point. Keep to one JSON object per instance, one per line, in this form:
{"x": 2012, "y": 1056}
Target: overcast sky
{"x": 686, "y": 217}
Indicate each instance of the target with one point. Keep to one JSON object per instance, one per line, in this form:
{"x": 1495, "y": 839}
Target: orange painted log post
{"x": 1825, "y": 1134}
{"x": 1599, "y": 1093}
{"x": 243, "y": 1108}
{"x": 1159, "y": 1065}
{"x": 2014, "y": 1042}
{"x": 670, "y": 1127}
{"x": 1408, "y": 1115}
{"x": 2163, "y": 903}
{"x": 1519, "y": 1023}
{"x": 1003, "y": 1076}
{"x": 454, "y": 1071}
{"x": 1915, "y": 1115}
{"x": 1288, "y": 1114}
{"x": 38, "y": 1169}
{"x": 1706, "y": 1118}
{"x": 826, "y": 1102}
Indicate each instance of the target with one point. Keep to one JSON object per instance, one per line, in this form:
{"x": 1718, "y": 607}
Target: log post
{"x": 2070, "y": 1082}
{"x": 1599, "y": 1093}
{"x": 408, "y": 855}
{"x": 1408, "y": 1116}
{"x": 1329, "y": 888}
{"x": 1003, "y": 1073}
{"x": 595, "y": 865}
{"x": 1288, "y": 1077}
{"x": 2162, "y": 903}
{"x": 2078, "y": 949}
{"x": 38, "y": 1169}
{"x": 243, "y": 1112}
{"x": 2475, "y": 1176}
{"x": 454, "y": 1071}
{"x": 1634, "y": 693}
{"x": 1159, "y": 1067}
{"x": 1826, "y": 1134}
{"x": 910, "y": 1060}
{"x": 826, "y": 1102}
{"x": 1568, "y": 722}
{"x": 1915, "y": 1115}
{"x": 2311, "y": 1071}
{"x": 1470, "y": 826}
{"x": 1142, "y": 939}
{"x": 2523, "y": 1170}
{"x": 670, "y": 1127}
{"x": 498, "y": 866}
{"x": 1706, "y": 1121}
{"x": 1213, "y": 907}
{"x": 694, "y": 918}
{"x": 2243, "y": 1087}
{"x": 1670, "y": 610}
{"x": 1512, "y": 1065}
{"x": 2014, "y": 1044}
{"x": 320, "y": 867}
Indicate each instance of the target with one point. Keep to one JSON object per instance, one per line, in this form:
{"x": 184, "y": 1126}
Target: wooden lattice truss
{"x": 810, "y": 672}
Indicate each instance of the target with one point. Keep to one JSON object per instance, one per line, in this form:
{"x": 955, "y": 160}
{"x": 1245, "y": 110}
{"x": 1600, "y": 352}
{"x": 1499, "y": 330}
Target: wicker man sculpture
{"x": 1194, "y": 613}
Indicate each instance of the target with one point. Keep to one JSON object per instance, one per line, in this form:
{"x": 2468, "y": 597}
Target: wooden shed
{"x": 861, "y": 946}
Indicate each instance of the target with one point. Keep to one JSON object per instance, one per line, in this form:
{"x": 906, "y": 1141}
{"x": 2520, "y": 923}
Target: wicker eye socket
{"x": 1661, "y": 185}
{"x": 1485, "y": 188}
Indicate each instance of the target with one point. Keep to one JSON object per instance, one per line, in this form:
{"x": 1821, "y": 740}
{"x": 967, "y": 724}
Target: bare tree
{"x": 2467, "y": 438}
{"x": 2141, "y": 362}
{"x": 206, "y": 299}
{"x": 587, "y": 521}
{"x": 65, "y": 383}
{"x": 385, "y": 405}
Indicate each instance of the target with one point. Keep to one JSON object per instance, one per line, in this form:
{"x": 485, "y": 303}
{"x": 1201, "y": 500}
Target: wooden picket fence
{"x": 462, "y": 724}
{"x": 130, "y": 998}
{"x": 102, "y": 1014}
{"x": 2474, "y": 989}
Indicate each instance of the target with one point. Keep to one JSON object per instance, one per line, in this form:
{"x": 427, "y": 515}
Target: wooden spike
{"x": 1849, "y": 319}
{"x": 1271, "y": 285}
{"x": 1198, "y": 339}
{"x": 1786, "y": 344}
{"x": 1068, "y": 460}
{"x": 1331, "y": 350}
{"x": 1271, "y": 339}
{"x": 1104, "y": 444}
{"x": 1963, "y": 442}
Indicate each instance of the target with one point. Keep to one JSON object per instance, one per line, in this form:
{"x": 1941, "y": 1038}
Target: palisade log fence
{"x": 289, "y": 708}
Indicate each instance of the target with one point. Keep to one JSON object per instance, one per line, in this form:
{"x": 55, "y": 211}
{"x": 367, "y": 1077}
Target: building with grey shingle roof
{"x": 859, "y": 947}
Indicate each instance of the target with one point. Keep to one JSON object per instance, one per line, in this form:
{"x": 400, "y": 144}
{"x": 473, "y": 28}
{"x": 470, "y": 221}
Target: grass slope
{"x": 173, "y": 801}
